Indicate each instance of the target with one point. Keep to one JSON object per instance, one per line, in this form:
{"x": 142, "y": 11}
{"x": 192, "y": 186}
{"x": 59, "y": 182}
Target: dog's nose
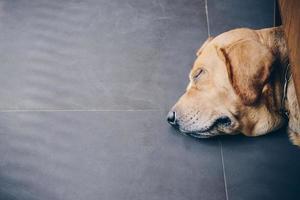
{"x": 171, "y": 117}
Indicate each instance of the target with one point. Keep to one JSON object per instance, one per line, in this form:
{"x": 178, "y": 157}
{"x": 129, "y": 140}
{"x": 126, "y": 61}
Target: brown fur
{"x": 243, "y": 79}
{"x": 250, "y": 66}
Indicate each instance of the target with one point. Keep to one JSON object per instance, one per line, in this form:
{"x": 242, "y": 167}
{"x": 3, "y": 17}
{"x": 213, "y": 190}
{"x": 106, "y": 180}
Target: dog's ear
{"x": 249, "y": 66}
{"x": 204, "y": 45}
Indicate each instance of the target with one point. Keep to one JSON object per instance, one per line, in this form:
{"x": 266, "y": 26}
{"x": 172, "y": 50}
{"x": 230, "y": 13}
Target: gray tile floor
{"x": 85, "y": 87}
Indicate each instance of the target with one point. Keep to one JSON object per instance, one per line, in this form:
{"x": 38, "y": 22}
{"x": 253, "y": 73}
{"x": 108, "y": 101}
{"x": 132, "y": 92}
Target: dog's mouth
{"x": 210, "y": 131}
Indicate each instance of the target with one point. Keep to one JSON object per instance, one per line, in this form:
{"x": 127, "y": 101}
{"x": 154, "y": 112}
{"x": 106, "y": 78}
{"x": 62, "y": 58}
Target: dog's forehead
{"x": 207, "y": 56}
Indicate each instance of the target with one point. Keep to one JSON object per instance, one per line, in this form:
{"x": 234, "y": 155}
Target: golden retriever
{"x": 239, "y": 83}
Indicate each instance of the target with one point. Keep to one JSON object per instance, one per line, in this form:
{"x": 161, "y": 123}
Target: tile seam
{"x": 80, "y": 110}
{"x": 207, "y": 18}
{"x": 223, "y": 167}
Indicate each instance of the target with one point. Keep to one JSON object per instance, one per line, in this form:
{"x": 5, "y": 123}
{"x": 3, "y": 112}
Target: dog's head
{"x": 229, "y": 90}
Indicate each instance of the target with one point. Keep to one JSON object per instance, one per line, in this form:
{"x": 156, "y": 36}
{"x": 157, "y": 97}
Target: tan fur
{"x": 242, "y": 78}
{"x": 294, "y": 118}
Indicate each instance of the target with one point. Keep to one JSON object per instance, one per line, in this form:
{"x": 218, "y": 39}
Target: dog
{"x": 240, "y": 82}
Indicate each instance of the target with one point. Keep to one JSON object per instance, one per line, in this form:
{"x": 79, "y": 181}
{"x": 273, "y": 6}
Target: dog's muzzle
{"x": 222, "y": 121}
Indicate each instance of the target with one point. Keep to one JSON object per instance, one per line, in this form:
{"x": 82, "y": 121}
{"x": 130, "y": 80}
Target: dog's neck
{"x": 275, "y": 40}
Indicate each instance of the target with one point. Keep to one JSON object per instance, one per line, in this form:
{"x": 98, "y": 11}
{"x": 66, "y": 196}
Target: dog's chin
{"x": 200, "y": 134}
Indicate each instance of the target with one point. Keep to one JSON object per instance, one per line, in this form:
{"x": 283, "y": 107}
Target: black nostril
{"x": 171, "y": 117}
{"x": 226, "y": 121}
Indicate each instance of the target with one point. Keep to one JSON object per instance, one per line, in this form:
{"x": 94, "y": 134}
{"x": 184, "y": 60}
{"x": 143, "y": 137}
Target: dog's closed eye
{"x": 197, "y": 74}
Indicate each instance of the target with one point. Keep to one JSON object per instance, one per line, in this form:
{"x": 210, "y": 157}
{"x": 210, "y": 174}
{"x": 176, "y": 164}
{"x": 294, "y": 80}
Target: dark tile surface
{"x": 122, "y": 55}
{"x": 100, "y": 55}
{"x": 116, "y": 54}
{"x": 262, "y": 168}
{"x": 228, "y": 14}
{"x": 104, "y": 155}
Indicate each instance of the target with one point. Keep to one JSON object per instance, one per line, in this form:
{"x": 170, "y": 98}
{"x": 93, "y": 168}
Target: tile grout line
{"x": 274, "y": 13}
{"x": 207, "y": 18}
{"x": 224, "y": 173}
{"x": 80, "y": 110}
